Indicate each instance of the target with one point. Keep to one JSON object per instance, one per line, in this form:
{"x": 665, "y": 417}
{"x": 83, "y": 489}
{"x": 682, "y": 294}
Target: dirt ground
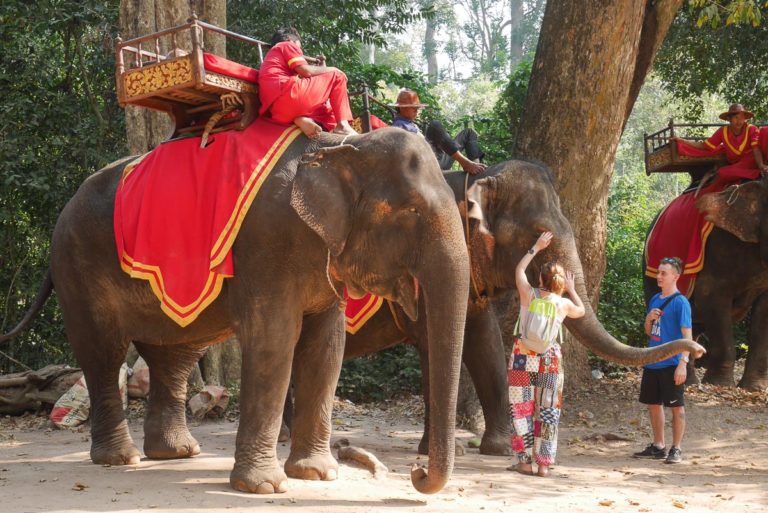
{"x": 725, "y": 465}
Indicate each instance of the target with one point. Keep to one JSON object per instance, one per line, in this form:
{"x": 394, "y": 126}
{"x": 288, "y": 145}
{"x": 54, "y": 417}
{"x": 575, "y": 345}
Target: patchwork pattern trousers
{"x": 535, "y": 402}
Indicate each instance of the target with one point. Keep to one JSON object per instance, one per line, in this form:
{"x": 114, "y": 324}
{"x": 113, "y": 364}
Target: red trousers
{"x": 311, "y": 97}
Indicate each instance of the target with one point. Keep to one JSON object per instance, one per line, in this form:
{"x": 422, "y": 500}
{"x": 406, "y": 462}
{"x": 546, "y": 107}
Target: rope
{"x": 330, "y": 281}
{"x": 733, "y": 196}
{"x": 229, "y": 102}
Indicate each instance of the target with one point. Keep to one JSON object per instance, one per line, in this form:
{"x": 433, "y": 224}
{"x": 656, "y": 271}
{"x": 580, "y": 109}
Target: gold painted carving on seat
{"x": 156, "y": 77}
{"x": 241, "y": 86}
{"x": 660, "y": 158}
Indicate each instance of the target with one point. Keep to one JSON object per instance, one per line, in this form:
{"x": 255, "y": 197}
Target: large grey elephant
{"x": 509, "y": 206}
{"x": 733, "y": 283}
{"x": 373, "y": 214}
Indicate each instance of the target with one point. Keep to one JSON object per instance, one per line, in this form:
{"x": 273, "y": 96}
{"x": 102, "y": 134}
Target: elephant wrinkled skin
{"x": 366, "y": 214}
{"x": 509, "y": 206}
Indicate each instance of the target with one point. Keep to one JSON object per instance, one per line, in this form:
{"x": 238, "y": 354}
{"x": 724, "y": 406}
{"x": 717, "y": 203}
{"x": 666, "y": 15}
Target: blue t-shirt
{"x": 406, "y": 124}
{"x": 668, "y": 327}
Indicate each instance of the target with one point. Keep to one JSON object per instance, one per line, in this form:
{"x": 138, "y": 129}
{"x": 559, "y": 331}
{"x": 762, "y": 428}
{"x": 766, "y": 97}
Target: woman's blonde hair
{"x": 553, "y": 277}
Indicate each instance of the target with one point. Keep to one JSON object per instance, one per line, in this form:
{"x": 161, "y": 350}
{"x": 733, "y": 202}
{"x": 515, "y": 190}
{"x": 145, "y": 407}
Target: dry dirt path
{"x": 725, "y": 467}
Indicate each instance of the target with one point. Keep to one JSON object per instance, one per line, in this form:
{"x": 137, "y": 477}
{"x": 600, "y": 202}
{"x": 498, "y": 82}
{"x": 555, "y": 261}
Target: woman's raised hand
{"x": 569, "y": 281}
{"x": 544, "y": 240}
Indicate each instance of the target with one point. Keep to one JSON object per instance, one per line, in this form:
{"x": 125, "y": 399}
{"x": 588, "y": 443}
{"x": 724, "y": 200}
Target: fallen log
{"x": 32, "y": 390}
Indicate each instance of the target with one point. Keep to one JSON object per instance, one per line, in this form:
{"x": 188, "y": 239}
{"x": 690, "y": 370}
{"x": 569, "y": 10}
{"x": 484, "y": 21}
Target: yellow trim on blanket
{"x": 369, "y": 310}
{"x": 185, "y": 315}
{"x": 247, "y": 195}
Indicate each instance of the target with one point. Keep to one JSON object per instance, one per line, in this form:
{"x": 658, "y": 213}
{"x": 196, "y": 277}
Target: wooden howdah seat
{"x": 190, "y": 86}
{"x": 661, "y": 155}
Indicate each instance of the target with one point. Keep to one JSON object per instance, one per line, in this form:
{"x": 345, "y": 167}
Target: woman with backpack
{"x": 535, "y": 366}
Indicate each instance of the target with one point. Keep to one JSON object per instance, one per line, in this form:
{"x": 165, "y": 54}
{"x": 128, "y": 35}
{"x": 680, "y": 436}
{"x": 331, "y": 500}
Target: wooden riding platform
{"x": 662, "y": 157}
{"x": 187, "y": 84}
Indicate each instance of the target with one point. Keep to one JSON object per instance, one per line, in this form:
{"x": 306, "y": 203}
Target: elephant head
{"x": 383, "y": 209}
{"x": 741, "y": 211}
{"x": 507, "y": 211}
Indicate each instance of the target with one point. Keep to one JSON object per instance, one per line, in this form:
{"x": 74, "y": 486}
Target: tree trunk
{"x": 515, "y": 34}
{"x": 146, "y": 128}
{"x": 430, "y": 50}
{"x": 591, "y": 60}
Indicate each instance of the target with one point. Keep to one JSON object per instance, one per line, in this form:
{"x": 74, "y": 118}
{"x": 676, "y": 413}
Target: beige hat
{"x": 408, "y": 98}
{"x": 735, "y": 108}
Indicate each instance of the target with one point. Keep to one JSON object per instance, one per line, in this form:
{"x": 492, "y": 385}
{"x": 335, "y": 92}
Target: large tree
{"x": 146, "y": 128}
{"x": 591, "y": 60}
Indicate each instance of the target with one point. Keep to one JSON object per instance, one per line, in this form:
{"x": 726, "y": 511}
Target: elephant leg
{"x": 100, "y": 350}
{"x": 484, "y": 358}
{"x": 165, "y": 425}
{"x": 267, "y": 339}
{"x": 316, "y": 368}
{"x": 756, "y": 369}
{"x": 719, "y": 330}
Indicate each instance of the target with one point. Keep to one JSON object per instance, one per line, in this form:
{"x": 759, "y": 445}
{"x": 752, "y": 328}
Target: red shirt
{"x": 736, "y": 146}
{"x": 277, "y": 72}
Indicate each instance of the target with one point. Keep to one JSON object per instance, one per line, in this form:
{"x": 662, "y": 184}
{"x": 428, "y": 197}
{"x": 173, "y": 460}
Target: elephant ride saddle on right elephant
{"x": 681, "y": 229}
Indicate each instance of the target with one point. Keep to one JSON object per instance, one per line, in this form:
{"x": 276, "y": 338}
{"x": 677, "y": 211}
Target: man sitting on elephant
{"x": 738, "y": 140}
{"x": 293, "y": 91}
{"x": 446, "y": 148}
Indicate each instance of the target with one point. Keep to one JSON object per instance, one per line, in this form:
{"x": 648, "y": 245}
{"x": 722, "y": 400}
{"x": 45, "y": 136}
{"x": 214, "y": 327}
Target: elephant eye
{"x": 413, "y": 209}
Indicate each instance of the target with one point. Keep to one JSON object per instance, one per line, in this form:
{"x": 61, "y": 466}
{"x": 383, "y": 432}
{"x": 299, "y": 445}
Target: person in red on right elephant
{"x": 738, "y": 139}
{"x": 761, "y": 152}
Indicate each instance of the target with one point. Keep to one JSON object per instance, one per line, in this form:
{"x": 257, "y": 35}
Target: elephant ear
{"x": 739, "y": 210}
{"x": 477, "y": 207}
{"x": 323, "y": 194}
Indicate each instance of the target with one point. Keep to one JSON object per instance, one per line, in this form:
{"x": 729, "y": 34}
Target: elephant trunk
{"x": 591, "y": 333}
{"x": 445, "y": 291}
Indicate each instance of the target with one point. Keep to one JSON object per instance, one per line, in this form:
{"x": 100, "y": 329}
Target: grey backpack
{"x": 539, "y": 330}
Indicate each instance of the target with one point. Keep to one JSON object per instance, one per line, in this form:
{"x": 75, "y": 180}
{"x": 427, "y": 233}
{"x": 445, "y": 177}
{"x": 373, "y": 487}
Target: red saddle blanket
{"x": 178, "y": 210}
{"x": 680, "y": 231}
{"x": 359, "y": 311}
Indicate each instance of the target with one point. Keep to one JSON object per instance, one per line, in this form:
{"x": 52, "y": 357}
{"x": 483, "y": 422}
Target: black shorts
{"x": 658, "y": 386}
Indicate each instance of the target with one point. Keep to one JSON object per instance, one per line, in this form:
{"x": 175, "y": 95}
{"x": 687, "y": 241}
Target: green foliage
{"x": 60, "y": 123}
{"x": 724, "y": 59}
{"x": 382, "y": 375}
{"x": 334, "y": 28}
{"x": 735, "y": 12}
{"x": 622, "y": 304}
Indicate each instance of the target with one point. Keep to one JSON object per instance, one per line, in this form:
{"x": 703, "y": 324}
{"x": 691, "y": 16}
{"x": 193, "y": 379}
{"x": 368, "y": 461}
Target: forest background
{"x": 470, "y": 60}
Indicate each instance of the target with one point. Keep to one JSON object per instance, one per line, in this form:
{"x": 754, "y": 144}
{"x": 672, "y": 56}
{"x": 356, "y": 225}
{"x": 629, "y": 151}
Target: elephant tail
{"x": 42, "y": 296}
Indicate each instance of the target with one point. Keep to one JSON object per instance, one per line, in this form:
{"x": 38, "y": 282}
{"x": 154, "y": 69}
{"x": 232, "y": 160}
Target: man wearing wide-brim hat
{"x": 446, "y": 148}
{"x": 738, "y": 140}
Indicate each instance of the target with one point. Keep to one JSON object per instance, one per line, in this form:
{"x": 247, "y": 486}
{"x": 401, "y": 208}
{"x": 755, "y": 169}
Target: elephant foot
{"x": 254, "y": 480}
{"x": 753, "y": 384}
{"x": 495, "y": 445}
{"x": 167, "y": 447}
{"x": 314, "y": 467}
{"x": 125, "y": 454}
{"x": 724, "y": 379}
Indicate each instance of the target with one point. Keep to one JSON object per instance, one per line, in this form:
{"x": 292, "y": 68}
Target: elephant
{"x": 732, "y": 283}
{"x": 508, "y": 207}
{"x": 369, "y": 212}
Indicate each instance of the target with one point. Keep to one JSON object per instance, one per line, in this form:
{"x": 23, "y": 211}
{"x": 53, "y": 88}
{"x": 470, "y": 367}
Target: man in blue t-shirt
{"x": 663, "y": 383}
